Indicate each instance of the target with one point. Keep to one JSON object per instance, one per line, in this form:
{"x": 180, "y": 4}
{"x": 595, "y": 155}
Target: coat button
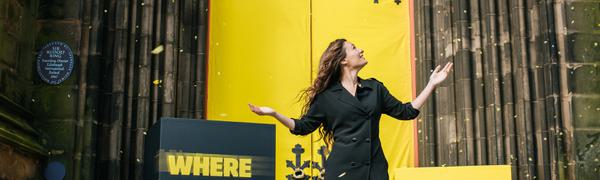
{"x": 368, "y": 139}
{"x": 353, "y": 164}
{"x": 354, "y": 139}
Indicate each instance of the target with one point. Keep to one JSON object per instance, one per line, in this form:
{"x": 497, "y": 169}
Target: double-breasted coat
{"x": 354, "y": 120}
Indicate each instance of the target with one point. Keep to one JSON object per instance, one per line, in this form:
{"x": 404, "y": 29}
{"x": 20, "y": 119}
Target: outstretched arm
{"x": 287, "y": 122}
{"x": 437, "y": 77}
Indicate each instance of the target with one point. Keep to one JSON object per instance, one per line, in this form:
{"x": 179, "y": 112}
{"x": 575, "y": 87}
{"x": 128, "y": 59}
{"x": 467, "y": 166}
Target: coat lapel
{"x": 344, "y": 96}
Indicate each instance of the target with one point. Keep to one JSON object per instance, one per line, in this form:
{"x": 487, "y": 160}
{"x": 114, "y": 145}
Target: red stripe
{"x": 206, "y": 61}
{"x": 414, "y": 80}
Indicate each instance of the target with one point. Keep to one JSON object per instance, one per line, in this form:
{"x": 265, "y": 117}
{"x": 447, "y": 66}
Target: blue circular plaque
{"x": 55, "y": 171}
{"x": 55, "y": 62}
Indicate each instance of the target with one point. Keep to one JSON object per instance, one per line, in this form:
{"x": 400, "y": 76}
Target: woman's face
{"x": 354, "y": 56}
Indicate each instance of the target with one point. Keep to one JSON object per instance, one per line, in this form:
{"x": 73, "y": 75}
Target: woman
{"x": 348, "y": 109}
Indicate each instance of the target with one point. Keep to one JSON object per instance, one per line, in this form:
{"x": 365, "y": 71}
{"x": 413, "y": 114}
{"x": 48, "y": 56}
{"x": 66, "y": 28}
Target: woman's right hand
{"x": 262, "y": 110}
{"x": 287, "y": 122}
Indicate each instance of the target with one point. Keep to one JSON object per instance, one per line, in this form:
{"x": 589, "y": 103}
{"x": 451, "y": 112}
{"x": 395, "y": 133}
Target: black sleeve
{"x": 310, "y": 121}
{"x": 395, "y": 108}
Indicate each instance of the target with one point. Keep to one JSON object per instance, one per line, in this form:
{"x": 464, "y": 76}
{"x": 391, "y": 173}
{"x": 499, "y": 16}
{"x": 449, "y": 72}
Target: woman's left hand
{"x": 439, "y": 75}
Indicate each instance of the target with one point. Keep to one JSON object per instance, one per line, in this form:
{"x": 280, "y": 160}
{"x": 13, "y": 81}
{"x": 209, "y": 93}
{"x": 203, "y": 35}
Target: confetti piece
{"x": 158, "y": 49}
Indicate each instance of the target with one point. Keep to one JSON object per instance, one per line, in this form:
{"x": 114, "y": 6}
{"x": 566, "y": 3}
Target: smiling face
{"x": 354, "y": 57}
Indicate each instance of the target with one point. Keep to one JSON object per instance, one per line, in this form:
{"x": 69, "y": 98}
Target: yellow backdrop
{"x": 261, "y": 51}
{"x": 487, "y": 172}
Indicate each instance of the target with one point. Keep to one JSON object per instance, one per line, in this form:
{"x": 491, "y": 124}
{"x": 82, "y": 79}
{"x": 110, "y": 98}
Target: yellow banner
{"x": 261, "y": 52}
{"x": 488, "y": 172}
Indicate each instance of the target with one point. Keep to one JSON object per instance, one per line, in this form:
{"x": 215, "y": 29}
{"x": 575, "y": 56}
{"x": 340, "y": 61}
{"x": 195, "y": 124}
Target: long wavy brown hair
{"x": 329, "y": 73}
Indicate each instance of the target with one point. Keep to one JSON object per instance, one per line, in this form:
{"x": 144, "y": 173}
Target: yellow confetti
{"x": 158, "y": 49}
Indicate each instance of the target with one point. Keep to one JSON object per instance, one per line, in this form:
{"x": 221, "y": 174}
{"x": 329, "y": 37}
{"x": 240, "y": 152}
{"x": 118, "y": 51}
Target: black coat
{"x": 354, "y": 120}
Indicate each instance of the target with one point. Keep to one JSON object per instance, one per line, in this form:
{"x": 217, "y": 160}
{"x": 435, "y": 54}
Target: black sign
{"x": 185, "y": 149}
{"x": 55, "y": 62}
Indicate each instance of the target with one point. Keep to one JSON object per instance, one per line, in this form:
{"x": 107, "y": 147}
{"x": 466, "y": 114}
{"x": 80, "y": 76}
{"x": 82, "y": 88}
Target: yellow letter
{"x": 181, "y": 165}
{"x": 201, "y": 165}
{"x": 246, "y": 168}
{"x": 230, "y": 167}
{"x": 216, "y": 166}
